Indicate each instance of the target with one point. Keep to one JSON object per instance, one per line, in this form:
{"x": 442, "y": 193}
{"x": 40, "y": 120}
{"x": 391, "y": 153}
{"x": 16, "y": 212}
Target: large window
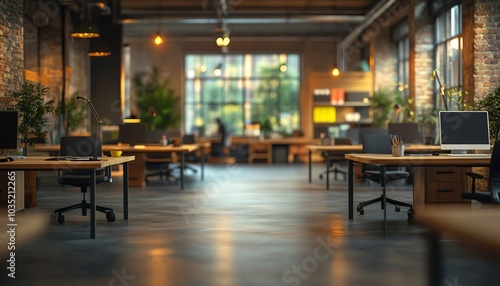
{"x": 448, "y": 49}
{"x": 242, "y": 89}
{"x": 400, "y": 36}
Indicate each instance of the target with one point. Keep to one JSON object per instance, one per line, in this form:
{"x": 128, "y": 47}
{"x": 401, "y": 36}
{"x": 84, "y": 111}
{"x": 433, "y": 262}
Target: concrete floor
{"x": 244, "y": 225}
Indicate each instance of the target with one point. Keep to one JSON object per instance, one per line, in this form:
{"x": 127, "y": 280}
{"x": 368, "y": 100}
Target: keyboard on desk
{"x": 468, "y": 155}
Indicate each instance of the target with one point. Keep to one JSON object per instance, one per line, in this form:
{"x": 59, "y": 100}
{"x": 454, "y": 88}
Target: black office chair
{"x": 493, "y": 196}
{"x": 381, "y": 144}
{"x": 158, "y": 164}
{"x": 82, "y": 146}
{"x": 337, "y": 159}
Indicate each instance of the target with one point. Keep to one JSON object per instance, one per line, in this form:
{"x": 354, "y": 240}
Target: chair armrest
{"x": 474, "y": 175}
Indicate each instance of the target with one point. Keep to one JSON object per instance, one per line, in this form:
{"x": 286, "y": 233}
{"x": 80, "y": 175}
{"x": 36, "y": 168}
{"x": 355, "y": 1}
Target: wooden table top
{"x": 41, "y": 163}
{"x": 130, "y": 149}
{"x": 477, "y": 227}
{"x": 441, "y": 160}
{"x": 359, "y": 148}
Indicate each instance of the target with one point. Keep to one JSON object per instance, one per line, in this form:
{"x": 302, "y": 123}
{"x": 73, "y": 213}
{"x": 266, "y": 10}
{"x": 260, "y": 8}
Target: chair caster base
{"x": 397, "y": 208}
{"x": 360, "y": 210}
{"x": 410, "y": 213}
{"x": 60, "y": 218}
{"x": 110, "y": 216}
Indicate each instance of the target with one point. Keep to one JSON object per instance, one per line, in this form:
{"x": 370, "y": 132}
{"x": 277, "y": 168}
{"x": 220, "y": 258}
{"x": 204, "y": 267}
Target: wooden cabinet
{"x": 446, "y": 184}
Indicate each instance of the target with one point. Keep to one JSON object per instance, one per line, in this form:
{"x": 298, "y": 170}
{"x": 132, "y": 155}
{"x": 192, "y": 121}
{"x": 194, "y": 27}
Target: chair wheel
{"x": 110, "y": 216}
{"x": 410, "y": 213}
{"x": 60, "y": 218}
{"x": 360, "y": 210}
{"x": 321, "y": 177}
{"x": 397, "y": 209}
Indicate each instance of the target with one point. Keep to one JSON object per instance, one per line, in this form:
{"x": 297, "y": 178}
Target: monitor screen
{"x": 408, "y": 132}
{"x": 464, "y": 130}
{"x": 133, "y": 134}
{"x": 8, "y": 140}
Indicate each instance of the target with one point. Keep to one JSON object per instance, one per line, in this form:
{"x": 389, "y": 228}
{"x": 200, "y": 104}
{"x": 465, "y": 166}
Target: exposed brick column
{"x": 11, "y": 48}
{"x": 421, "y": 54}
{"x": 486, "y": 46}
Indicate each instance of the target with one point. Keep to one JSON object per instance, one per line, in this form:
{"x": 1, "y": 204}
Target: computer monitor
{"x": 133, "y": 134}
{"x": 408, "y": 132}
{"x": 464, "y": 130}
{"x": 8, "y": 140}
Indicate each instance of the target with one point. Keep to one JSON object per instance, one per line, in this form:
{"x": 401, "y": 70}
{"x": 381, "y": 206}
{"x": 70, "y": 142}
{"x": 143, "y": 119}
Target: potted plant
{"x": 381, "y": 104}
{"x": 30, "y": 102}
{"x": 491, "y": 103}
{"x": 157, "y": 102}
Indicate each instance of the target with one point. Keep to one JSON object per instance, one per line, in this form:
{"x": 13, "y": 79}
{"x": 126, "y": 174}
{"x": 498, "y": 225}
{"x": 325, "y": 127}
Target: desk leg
{"x": 310, "y": 165}
{"x": 384, "y": 191}
{"x": 125, "y": 190}
{"x": 182, "y": 170}
{"x": 92, "y": 203}
{"x": 350, "y": 183}
{"x": 202, "y": 162}
{"x": 434, "y": 274}
{"x": 327, "y": 171}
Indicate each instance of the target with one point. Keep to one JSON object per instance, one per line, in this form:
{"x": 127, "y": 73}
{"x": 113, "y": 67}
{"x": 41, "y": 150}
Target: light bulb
{"x": 158, "y": 39}
{"x": 335, "y": 71}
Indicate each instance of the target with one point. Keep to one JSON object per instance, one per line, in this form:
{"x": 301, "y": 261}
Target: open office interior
{"x": 284, "y": 77}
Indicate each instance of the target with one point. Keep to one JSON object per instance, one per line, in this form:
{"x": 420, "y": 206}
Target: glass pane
{"x": 440, "y": 28}
{"x": 453, "y": 63}
{"x": 455, "y": 21}
{"x": 233, "y": 91}
{"x": 211, "y": 90}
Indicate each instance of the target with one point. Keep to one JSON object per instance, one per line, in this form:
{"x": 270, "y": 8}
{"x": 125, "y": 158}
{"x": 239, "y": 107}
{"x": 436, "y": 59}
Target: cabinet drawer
{"x": 444, "y": 192}
{"x": 446, "y": 174}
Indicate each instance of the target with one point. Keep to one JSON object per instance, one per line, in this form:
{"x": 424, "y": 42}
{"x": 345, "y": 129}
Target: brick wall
{"x": 11, "y": 47}
{"x": 486, "y": 46}
{"x": 385, "y": 61}
{"x": 421, "y": 55}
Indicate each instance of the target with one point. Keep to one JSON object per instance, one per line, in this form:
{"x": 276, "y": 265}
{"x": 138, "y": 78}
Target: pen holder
{"x": 398, "y": 150}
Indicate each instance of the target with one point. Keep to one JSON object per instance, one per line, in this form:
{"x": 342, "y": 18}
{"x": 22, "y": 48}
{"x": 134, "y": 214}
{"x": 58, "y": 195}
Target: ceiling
{"x": 198, "y": 18}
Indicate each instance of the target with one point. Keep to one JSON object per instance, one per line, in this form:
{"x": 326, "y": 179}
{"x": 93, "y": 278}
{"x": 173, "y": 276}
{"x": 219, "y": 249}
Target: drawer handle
{"x": 445, "y": 191}
{"x": 445, "y": 172}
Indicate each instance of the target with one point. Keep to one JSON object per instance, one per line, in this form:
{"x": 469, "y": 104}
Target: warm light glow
{"x": 283, "y": 68}
{"x": 456, "y": 43}
{"x": 335, "y": 71}
{"x": 99, "y": 54}
{"x": 217, "y": 72}
{"x": 132, "y": 120}
{"x": 158, "y": 39}
{"x": 203, "y": 68}
{"x": 223, "y": 42}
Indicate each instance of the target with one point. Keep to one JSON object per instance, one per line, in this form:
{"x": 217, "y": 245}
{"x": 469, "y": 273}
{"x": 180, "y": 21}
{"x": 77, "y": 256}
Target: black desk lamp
{"x": 99, "y": 124}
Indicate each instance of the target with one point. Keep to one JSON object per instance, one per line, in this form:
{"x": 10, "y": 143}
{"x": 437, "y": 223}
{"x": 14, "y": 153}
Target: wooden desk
{"x": 41, "y": 163}
{"x": 418, "y": 163}
{"x": 476, "y": 228}
{"x": 137, "y": 171}
{"x": 346, "y": 149}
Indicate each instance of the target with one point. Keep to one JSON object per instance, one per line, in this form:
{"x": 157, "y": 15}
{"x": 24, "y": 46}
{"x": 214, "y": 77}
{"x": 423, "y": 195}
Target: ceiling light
{"x": 158, "y": 39}
{"x": 98, "y": 49}
{"x": 335, "y": 71}
{"x": 85, "y": 29}
{"x": 218, "y": 70}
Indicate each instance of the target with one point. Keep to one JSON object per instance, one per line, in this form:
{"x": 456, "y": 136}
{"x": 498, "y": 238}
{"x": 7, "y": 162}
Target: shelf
{"x": 362, "y": 121}
{"x": 346, "y": 104}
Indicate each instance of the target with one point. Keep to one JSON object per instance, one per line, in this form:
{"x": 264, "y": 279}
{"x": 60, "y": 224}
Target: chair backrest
{"x": 188, "y": 139}
{"x": 342, "y": 141}
{"x": 376, "y": 144}
{"x": 79, "y": 146}
{"x": 494, "y": 173}
{"x": 408, "y": 132}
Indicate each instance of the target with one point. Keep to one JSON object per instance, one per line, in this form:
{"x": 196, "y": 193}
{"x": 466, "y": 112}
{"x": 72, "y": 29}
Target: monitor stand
{"x": 458, "y": 152}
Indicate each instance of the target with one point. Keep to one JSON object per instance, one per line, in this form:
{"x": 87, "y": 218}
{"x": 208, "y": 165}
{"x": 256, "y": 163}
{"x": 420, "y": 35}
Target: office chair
{"x": 381, "y": 144}
{"x": 82, "y": 146}
{"x": 493, "y": 179}
{"x": 158, "y": 164}
{"x": 335, "y": 159}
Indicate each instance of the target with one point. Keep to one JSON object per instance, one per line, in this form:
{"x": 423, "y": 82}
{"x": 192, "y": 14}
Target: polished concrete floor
{"x": 244, "y": 225}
